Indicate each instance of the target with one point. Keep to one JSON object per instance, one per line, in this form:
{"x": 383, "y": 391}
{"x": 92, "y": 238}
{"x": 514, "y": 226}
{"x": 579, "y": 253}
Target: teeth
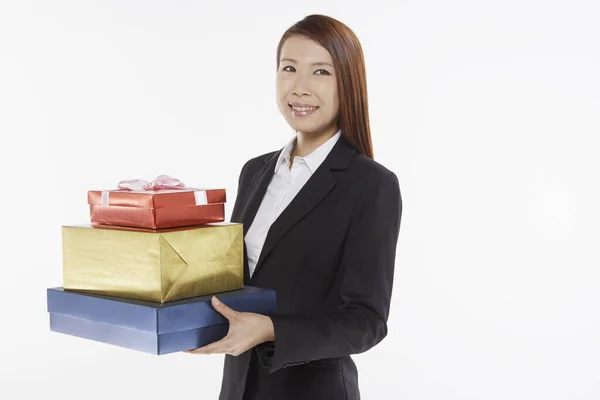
{"x": 304, "y": 108}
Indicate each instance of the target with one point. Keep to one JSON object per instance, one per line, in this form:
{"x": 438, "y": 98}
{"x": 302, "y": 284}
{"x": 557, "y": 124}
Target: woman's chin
{"x": 304, "y": 126}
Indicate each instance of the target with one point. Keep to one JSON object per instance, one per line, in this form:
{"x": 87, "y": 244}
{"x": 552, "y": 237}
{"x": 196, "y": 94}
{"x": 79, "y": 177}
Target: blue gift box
{"x": 148, "y": 326}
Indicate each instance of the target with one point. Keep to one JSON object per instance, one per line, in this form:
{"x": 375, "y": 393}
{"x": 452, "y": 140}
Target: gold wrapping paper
{"x": 153, "y": 265}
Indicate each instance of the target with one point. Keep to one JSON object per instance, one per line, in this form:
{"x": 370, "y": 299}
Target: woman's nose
{"x": 302, "y": 85}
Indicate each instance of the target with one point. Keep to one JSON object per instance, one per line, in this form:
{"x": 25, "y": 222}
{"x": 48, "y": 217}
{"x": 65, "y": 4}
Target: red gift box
{"x": 157, "y": 209}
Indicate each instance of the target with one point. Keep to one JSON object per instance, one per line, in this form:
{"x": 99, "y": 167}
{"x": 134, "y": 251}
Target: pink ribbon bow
{"x": 160, "y": 182}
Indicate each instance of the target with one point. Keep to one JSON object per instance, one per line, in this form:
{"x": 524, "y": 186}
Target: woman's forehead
{"x": 304, "y": 50}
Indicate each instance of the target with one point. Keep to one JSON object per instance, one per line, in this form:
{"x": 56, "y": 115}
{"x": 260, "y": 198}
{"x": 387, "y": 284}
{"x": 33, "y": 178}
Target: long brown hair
{"x": 348, "y": 60}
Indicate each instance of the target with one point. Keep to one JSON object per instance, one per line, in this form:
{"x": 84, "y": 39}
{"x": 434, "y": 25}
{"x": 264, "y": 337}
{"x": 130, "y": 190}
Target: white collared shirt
{"x": 284, "y": 186}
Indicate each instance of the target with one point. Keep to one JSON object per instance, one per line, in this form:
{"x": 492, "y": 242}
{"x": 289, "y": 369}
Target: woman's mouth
{"x": 303, "y": 111}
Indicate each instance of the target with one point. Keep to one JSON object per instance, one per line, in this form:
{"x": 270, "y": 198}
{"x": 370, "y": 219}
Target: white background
{"x": 488, "y": 112}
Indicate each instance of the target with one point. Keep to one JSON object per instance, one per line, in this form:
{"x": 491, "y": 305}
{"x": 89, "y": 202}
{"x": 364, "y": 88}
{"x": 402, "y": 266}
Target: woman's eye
{"x": 289, "y": 68}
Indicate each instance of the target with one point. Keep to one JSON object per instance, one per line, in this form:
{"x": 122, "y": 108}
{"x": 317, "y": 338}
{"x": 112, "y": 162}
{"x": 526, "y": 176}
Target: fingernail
{"x": 217, "y": 302}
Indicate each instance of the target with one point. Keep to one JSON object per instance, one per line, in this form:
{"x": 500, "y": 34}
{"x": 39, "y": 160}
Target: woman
{"x": 321, "y": 222}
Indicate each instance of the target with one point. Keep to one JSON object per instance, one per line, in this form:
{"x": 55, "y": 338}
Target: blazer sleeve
{"x": 368, "y": 260}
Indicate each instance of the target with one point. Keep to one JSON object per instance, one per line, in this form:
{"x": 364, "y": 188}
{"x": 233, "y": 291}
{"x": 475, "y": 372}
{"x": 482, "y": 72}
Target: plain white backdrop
{"x": 488, "y": 112}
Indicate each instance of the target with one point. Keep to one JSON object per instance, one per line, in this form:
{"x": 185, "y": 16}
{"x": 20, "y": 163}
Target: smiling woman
{"x": 321, "y": 221}
{"x": 321, "y": 58}
{"x": 307, "y": 93}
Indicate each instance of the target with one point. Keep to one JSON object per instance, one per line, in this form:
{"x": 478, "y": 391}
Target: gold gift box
{"x": 154, "y": 265}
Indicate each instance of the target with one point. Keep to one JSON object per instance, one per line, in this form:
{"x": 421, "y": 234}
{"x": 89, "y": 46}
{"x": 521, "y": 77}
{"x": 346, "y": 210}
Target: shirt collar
{"x": 312, "y": 160}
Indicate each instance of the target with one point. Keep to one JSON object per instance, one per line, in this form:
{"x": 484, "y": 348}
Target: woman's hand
{"x": 246, "y": 330}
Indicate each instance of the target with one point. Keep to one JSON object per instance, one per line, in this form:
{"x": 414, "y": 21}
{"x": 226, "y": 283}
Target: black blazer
{"x": 330, "y": 257}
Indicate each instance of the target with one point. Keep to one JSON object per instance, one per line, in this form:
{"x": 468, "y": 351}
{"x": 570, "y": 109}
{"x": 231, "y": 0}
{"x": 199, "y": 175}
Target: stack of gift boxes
{"x": 142, "y": 274}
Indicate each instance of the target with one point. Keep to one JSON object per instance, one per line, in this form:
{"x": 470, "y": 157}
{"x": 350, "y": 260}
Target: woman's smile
{"x": 302, "y": 110}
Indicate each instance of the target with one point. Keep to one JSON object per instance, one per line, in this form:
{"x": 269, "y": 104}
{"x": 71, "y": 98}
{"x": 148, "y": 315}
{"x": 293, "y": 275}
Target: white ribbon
{"x": 200, "y": 196}
{"x": 105, "y": 194}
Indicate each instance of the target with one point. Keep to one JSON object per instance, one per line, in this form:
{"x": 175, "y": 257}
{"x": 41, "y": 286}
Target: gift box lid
{"x": 157, "y": 318}
{"x": 162, "y": 198}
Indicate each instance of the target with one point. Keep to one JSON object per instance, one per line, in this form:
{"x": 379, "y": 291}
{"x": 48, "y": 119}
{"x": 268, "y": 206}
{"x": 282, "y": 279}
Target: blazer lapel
{"x": 316, "y": 189}
{"x": 258, "y": 188}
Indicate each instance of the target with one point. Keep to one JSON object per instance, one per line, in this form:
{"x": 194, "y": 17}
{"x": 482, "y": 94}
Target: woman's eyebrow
{"x": 313, "y": 64}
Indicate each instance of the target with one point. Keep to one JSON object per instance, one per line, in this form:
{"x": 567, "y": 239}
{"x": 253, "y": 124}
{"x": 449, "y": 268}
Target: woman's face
{"x": 307, "y": 94}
